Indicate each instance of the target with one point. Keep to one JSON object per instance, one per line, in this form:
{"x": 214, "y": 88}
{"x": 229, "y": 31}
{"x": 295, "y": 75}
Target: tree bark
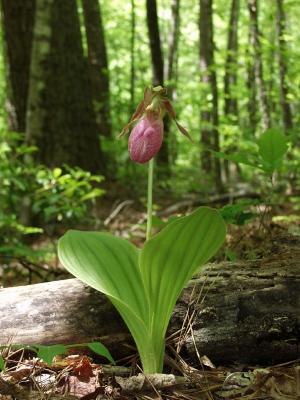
{"x": 209, "y": 112}
{"x": 157, "y": 70}
{"x": 98, "y": 64}
{"x": 132, "y": 59}
{"x": 246, "y": 312}
{"x": 230, "y": 78}
{"x": 60, "y": 118}
{"x": 285, "y": 105}
{"x": 17, "y": 22}
{"x": 259, "y": 74}
{"x": 252, "y": 90}
{"x": 170, "y": 72}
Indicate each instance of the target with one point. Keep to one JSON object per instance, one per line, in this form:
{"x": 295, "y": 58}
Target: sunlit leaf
{"x": 171, "y": 258}
{"x": 2, "y": 363}
{"x": 47, "y": 353}
{"x": 100, "y": 349}
{"x": 272, "y": 148}
{"x": 144, "y": 289}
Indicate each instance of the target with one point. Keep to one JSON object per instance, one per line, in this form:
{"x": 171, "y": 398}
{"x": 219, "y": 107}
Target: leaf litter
{"x": 77, "y": 377}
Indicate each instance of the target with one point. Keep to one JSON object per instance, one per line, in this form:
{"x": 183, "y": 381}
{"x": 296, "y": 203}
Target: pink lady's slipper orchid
{"x": 146, "y": 137}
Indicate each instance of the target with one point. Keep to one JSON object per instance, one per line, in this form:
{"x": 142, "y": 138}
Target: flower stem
{"x": 149, "y": 200}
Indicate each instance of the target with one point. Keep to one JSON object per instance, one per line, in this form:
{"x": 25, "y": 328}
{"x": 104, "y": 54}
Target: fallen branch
{"x": 243, "y": 311}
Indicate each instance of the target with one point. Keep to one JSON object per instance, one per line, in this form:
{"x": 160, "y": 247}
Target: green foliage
{"x": 239, "y": 213}
{"x": 272, "y": 147}
{"x": 101, "y": 350}
{"x": 51, "y": 195}
{"x": 2, "y": 363}
{"x": 144, "y": 284}
{"x": 47, "y": 353}
{"x": 268, "y": 155}
{"x": 64, "y": 196}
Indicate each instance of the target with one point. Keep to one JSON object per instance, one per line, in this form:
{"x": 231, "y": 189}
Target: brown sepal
{"x": 140, "y": 110}
{"x": 170, "y": 110}
{"x": 183, "y": 131}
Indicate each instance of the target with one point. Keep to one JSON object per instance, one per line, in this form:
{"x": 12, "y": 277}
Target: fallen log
{"x": 247, "y": 312}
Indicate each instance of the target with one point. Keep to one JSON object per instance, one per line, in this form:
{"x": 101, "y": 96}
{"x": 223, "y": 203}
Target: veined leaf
{"x": 2, "y": 363}
{"x": 47, "y": 353}
{"x": 272, "y": 148}
{"x": 144, "y": 290}
{"x": 110, "y": 265}
{"x": 100, "y": 349}
{"x": 171, "y": 258}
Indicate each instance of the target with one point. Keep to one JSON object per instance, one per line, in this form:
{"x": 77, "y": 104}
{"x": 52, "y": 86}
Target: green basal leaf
{"x": 144, "y": 285}
{"x": 47, "y": 353}
{"x": 170, "y": 259}
{"x": 100, "y": 349}
{"x": 110, "y": 265}
{"x": 272, "y": 148}
{"x": 2, "y": 363}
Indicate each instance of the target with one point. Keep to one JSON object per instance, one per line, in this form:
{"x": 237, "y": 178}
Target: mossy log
{"x": 246, "y": 312}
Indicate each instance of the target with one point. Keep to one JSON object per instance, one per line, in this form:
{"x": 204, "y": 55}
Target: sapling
{"x": 144, "y": 284}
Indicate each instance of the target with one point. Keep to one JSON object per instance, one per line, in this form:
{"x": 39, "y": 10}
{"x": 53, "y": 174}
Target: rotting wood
{"x": 244, "y": 311}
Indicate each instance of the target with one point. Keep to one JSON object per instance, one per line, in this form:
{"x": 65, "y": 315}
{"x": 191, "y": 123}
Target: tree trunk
{"x": 285, "y": 105}
{"x": 98, "y": 64}
{"x": 259, "y": 75}
{"x": 252, "y": 91}
{"x": 230, "y": 78}
{"x": 173, "y": 38}
{"x": 17, "y": 22}
{"x": 209, "y": 113}
{"x": 157, "y": 70}
{"x": 132, "y": 60}
{"x": 246, "y": 312}
{"x": 60, "y": 118}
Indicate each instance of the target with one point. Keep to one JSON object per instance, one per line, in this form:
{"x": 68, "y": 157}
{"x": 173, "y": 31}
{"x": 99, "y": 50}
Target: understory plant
{"x": 30, "y": 191}
{"x": 144, "y": 284}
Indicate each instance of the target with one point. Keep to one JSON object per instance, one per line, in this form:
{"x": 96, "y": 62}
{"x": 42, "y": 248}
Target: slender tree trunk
{"x": 60, "y": 118}
{"x": 285, "y": 105}
{"x": 132, "y": 59}
{"x": 259, "y": 75}
{"x": 252, "y": 90}
{"x": 155, "y": 44}
{"x": 230, "y": 78}
{"x": 17, "y": 22}
{"x": 98, "y": 64}
{"x": 157, "y": 69}
{"x": 172, "y": 45}
{"x": 170, "y": 75}
{"x": 209, "y": 113}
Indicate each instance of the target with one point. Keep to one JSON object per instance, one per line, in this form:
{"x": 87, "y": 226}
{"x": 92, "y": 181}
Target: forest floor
{"x": 77, "y": 376}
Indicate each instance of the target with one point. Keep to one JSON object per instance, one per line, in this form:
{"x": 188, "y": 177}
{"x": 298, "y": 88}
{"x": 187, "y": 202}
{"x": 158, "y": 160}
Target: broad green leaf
{"x": 100, "y": 349}
{"x": 2, "y": 363}
{"x": 107, "y": 263}
{"x": 110, "y": 265}
{"x": 171, "y": 258}
{"x": 47, "y": 353}
{"x": 144, "y": 289}
{"x": 97, "y": 347}
{"x": 272, "y": 148}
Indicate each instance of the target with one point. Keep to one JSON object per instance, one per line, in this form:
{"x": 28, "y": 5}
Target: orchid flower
{"x": 146, "y": 137}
